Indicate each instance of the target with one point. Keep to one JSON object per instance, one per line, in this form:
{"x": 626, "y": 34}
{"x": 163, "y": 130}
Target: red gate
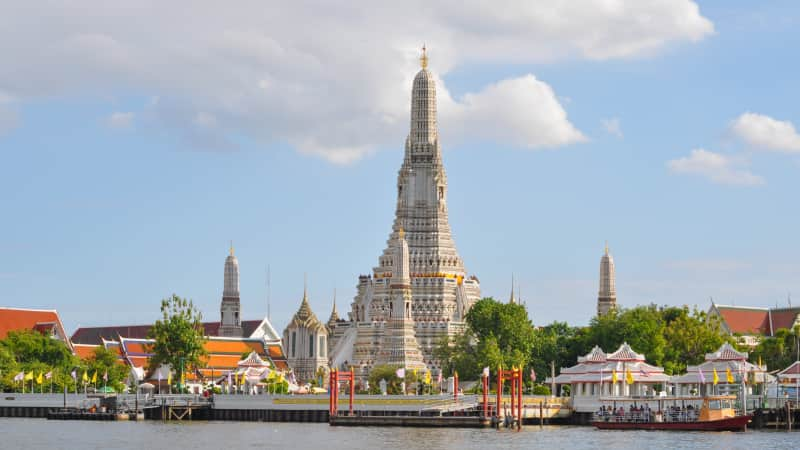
{"x": 515, "y": 377}
{"x": 333, "y": 388}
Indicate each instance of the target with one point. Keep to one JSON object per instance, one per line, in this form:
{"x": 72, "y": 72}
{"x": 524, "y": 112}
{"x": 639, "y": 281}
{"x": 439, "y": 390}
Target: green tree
{"x": 385, "y": 372}
{"x": 498, "y": 334}
{"x": 104, "y": 361}
{"x": 179, "y": 336}
{"x": 779, "y": 351}
{"x": 688, "y": 337}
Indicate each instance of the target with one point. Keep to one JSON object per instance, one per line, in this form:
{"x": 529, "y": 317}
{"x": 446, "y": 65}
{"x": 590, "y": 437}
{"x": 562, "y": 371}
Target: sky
{"x": 137, "y": 139}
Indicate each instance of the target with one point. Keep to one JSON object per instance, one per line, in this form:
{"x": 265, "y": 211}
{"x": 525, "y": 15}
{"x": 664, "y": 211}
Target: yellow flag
{"x": 716, "y": 377}
{"x": 183, "y": 378}
{"x": 415, "y": 373}
{"x": 729, "y": 375}
{"x": 85, "y": 376}
{"x": 628, "y": 376}
{"x": 94, "y": 377}
{"x": 39, "y": 379}
{"x": 169, "y": 377}
{"x": 28, "y": 376}
{"x": 614, "y": 376}
{"x": 427, "y": 377}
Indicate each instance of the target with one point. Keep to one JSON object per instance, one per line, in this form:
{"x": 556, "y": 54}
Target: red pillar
{"x": 513, "y": 392}
{"x": 352, "y": 389}
{"x": 499, "y": 404}
{"x": 330, "y": 393}
{"x": 485, "y": 396}
{"x": 519, "y": 399}
{"x": 455, "y": 386}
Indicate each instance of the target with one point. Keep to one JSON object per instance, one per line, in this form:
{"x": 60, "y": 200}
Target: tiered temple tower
{"x": 441, "y": 292}
{"x": 305, "y": 341}
{"x": 399, "y": 346}
{"x": 607, "y": 296}
{"x": 230, "y": 318}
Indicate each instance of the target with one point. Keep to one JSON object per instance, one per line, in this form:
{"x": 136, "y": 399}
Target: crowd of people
{"x": 643, "y": 413}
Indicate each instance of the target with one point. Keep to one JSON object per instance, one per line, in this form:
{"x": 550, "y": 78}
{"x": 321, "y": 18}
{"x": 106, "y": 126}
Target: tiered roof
{"x": 599, "y": 367}
{"x": 725, "y": 358}
{"x": 95, "y": 335}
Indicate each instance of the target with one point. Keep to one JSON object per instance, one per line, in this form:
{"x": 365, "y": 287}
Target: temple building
{"x": 44, "y": 321}
{"x": 699, "y": 379}
{"x": 306, "y": 342}
{"x": 749, "y": 324}
{"x": 230, "y": 324}
{"x": 440, "y": 290}
{"x": 607, "y": 295}
{"x": 623, "y": 373}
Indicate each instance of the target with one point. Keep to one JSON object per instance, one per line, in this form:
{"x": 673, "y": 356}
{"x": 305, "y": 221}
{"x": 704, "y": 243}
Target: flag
{"x": 533, "y": 374}
{"x": 486, "y": 371}
{"x": 729, "y": 375}
{"x": 401, "y": 372}
{"x": 702, "y": 377}
{"x": 74, "y": 374}
{"x": 85, "y": 376}
{"x": 40, "y": 378}
{"x": 158, "y": 372}
{"x": 716, "y": 377}
{"x": 105, "y": 376}
{"x": 49, "y": 375}
{"x": 169, "y": 377}
{"x": 292, "y": 378}
{"x": 439, "y": 377}
{"x": 415, "y": 373}
{"x": 614, "y": 376}
{"x": 94, "y": 377}
{"x": 19, "y": 376}
{"x": 28, "y": 376}
{"x": 628, "y": 376}
{"x": 427, "y": 377}
{"x": 643, "y": 373}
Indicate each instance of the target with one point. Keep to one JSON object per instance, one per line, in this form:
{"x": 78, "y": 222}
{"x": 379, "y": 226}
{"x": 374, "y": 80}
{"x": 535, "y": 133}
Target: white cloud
{"x": 764, "y": 132}
{"x": 612, "y": 127}
{"x": 337, "y": 75}
{"x": 120, "y": 120}
{"x": 523, "y": 110}
{"x": 715, "y": 167}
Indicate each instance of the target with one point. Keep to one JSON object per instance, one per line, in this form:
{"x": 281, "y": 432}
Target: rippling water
{"x": 42, "y": 434}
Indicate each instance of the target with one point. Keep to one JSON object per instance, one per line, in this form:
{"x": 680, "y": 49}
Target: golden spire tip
{"x": 424, "y": 58}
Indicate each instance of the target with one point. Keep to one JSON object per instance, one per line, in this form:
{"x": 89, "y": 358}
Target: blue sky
{"x": 125, "y": 170}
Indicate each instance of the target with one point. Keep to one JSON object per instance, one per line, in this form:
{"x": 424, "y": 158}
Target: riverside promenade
{"x": 265, "y": 408}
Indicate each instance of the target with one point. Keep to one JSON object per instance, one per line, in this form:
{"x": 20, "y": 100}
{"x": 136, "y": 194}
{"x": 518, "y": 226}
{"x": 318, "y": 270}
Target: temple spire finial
{"x": 512, "y": 299}
{"x": 231, "y": 248}
{"x": 606, "y": 247}
{"x": 305, "y": 286}
{"x": 423, "y": 60}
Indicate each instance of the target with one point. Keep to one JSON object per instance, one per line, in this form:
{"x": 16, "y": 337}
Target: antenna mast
{"x": 268, "y": 296}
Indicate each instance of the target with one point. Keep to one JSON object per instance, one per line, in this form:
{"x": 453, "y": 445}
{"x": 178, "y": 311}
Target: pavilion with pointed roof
{"x": 699, "y": 379}
{"x": 598, "y": 374}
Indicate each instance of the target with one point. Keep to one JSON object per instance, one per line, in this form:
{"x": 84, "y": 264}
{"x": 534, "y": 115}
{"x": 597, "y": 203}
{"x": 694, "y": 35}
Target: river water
{"x": 43, "y": 434}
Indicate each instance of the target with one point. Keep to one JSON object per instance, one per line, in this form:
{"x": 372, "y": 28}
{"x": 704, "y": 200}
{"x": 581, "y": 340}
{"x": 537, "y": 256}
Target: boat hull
{"x": 738, "y": 423}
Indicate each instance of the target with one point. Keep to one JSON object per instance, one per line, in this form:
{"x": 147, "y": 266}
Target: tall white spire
{"x": 230, "y": 307}
{"x": 607, "y": 294}
{"x": 231, "y": 284}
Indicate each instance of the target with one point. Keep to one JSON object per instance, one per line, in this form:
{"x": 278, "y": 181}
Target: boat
{"x": 712, "y": 413}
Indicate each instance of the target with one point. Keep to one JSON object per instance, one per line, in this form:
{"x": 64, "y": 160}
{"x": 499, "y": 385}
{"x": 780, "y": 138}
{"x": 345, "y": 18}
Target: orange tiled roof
{"x": 745, "y": 320}
{"x": 275, "y": 351}
{"x": 233, "y": 346}
{"x": 84, "y": 351}
{"x": 784, "y": 318}
{"x": 222, "y": 361}
{"x": 139, "y": 361}
{"x": 13, "y": 319}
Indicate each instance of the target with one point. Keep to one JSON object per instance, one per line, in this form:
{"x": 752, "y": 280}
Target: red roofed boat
{"x": 716, "y": 413}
